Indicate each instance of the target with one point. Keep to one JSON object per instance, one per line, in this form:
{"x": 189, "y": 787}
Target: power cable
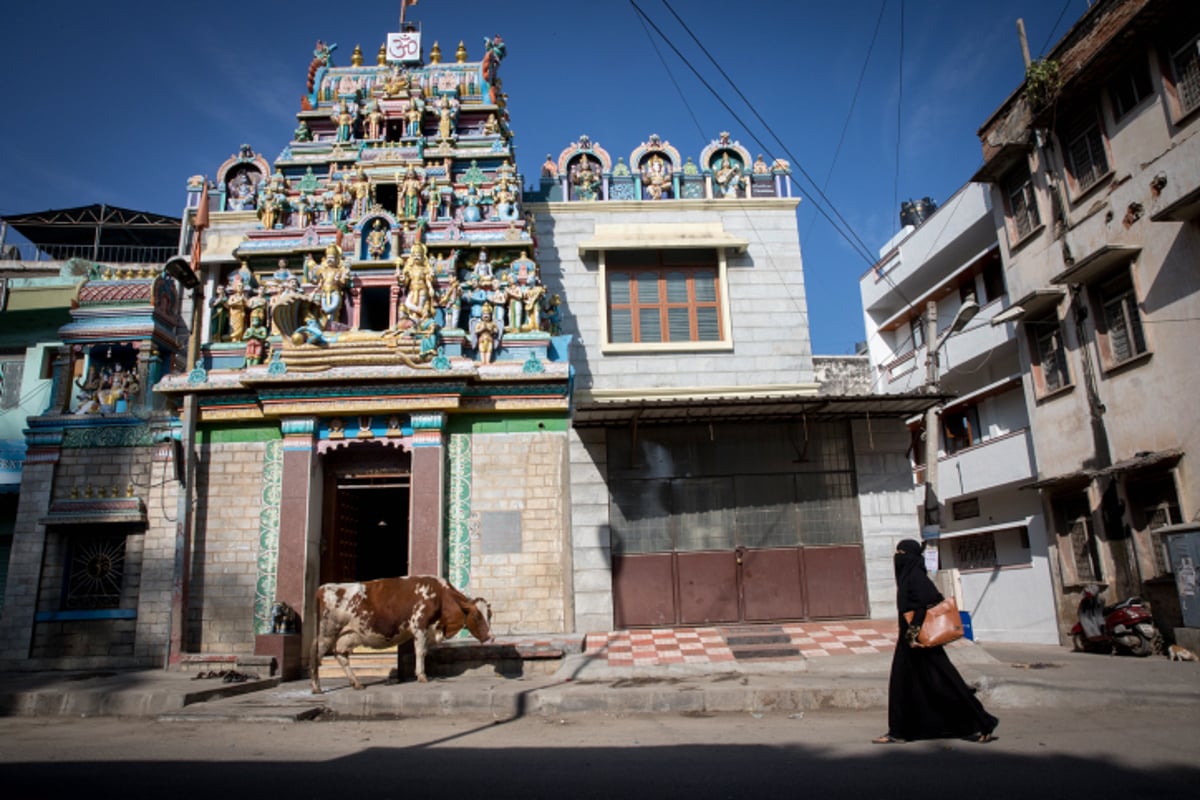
{"x": 856, "y": 243}
{"x": 1054, "y": 27}
{"x": 850, "y": 113}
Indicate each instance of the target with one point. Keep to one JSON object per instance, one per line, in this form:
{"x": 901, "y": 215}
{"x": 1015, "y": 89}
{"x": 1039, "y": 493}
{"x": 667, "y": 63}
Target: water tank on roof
{"x": 915, "y": 212}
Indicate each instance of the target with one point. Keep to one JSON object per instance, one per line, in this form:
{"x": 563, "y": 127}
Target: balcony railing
{"x": 104, "y": 254}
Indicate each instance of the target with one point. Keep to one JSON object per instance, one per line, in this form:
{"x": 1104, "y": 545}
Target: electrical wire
{"x": 850, "y": 112}
{"x": 1050, "y": 37}
{"x": 845, "y": 230}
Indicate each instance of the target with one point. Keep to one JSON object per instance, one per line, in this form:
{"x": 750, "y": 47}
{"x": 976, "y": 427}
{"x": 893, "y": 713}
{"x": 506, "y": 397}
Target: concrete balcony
{"x": 1000, "y": 461}
{"x": 953, "y": 238}
{"x": 977, "y": 340}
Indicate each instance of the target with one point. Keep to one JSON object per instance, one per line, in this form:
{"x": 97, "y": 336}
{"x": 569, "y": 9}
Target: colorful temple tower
{"x": 616, "y": 424}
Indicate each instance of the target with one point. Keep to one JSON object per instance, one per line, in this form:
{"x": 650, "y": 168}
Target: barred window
{"x": 1086, "y": 157}
{"x": 96, "y": 572}
{"x": 1022, "y": 202}
{"x": 1049, "y": 355}
{"x": 1185, "y": 63}
{"x": 1122, "y": 336}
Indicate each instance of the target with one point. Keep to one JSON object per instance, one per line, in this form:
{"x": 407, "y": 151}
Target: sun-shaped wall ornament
{"x": 97, "y": 569}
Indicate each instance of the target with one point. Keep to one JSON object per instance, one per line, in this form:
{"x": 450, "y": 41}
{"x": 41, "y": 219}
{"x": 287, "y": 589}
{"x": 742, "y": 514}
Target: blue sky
{"x": 120, "y": 102}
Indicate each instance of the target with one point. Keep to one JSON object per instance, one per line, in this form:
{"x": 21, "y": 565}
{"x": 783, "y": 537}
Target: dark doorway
{"x": 366, "y": 535}
{"x": 386, "y": 195}
{"x": 376, "y": 312}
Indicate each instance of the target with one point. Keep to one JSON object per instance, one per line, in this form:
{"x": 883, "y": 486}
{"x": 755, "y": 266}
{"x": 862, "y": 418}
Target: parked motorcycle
{"x": 1125, "y": 626}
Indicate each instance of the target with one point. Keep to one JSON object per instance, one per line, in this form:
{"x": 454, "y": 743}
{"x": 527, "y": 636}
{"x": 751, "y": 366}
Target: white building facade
{"x": 990, "y": 536}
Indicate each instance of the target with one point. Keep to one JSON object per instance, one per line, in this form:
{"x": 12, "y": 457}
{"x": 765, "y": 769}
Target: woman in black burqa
{"x": 927, "y": 698}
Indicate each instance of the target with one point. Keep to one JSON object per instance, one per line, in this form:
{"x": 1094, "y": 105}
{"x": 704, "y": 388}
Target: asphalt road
{"x": 1127, "y": 753}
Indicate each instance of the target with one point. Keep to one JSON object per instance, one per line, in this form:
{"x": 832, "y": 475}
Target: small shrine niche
{"x": 584, "y": 178}
{"x": 241, "y": 189}
{"x": 105, "y": 380}
{"x": 240, "y": 179}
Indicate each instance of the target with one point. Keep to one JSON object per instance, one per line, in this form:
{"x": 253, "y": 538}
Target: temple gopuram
{"x": 593, "y": 403}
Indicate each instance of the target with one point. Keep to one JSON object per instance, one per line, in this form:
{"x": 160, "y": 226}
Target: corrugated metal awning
{"x": 611, "y": 412}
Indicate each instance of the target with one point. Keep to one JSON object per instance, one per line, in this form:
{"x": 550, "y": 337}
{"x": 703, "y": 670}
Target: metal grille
{"x": 1085, "y": 147}
{"x": 1124, "y": 323}
{"x": 1186, "y": 62}
{"x": 96, "y": 573}
{"x": 975, "y": 552}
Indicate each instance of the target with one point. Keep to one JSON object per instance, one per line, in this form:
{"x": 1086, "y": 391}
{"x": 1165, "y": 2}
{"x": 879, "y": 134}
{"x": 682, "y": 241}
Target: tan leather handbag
{"x": 942, "y": 624}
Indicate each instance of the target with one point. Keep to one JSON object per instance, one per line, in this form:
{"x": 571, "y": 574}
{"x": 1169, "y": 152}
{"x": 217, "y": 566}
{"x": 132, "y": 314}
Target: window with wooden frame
{"x": 663, "y": 296}
{"x": 1119, "y": 328}
{"x": 1083, "y": 143}
{"x": 1048, "y": 355}
{"x": 1078, "y": 555}
{"x": 1129, "y": 88}
{"x": 1185, "y": 75}
{"x": 1021, "y": 198}
{"x": 960, "y": 426}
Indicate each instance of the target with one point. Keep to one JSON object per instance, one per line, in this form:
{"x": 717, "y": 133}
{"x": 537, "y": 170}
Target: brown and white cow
{"x": 390, "y": 611}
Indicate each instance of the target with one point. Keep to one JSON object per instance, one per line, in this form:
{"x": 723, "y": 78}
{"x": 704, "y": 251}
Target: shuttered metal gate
{"x": 734, "y": 523}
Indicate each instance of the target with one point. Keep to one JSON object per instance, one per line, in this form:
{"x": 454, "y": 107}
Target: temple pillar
{"x": 299, "y": 527}
{"x": 428, "y": 494}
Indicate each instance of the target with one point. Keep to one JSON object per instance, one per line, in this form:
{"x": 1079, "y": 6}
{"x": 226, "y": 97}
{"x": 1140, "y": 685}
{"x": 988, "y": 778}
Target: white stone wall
{"x": 886, "y": 504}
{"x": 591, "y": 543}
{"x": 768, "y": 305}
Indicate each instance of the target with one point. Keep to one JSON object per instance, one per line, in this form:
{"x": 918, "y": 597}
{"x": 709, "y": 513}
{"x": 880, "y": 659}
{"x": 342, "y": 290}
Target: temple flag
{"x": 199, "y": 223}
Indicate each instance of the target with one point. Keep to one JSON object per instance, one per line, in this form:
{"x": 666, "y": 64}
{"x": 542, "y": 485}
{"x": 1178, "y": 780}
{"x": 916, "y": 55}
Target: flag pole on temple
{"x": 404, "y": 4}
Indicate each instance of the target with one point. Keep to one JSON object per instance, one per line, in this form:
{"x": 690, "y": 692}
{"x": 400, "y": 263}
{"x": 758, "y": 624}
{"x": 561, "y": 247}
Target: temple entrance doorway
{"x": 365, "y": 534}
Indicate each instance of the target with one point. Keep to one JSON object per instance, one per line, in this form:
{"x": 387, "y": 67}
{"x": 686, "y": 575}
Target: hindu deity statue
{"x": 374, "y": 118}
{"x": 760, "y": 166}
{"x": 416, "y": 279}
{"x": 377, "y": 240}
{"x": 506, "y": 199}
{"x": 492, "y": 126}
{"x": 585, "y": 180}
{"x": 269, "y": 207}
{"x": 240, "y": 193}
{"x": 471, "y": 209}
{"x": 656, "y": 178}
{"x": 336, "y": 200}
{"x": 414, "y": 113}
{"x": 447, "y": 111}
{"x": 302, "y": 133}
{"x": 549, "y": 168}
{"x": 344, "y": 118}
{"x": 361, "y": 190}
{"x": 411, "y": 188}
{"x": 256, "y": 336}
{"x": 728, "y": 176}
{"x": 236, "y": 304}
{"x": 332, "y": 278}
{"x": 486, "y": 335}
{"x": 218, "y": 323}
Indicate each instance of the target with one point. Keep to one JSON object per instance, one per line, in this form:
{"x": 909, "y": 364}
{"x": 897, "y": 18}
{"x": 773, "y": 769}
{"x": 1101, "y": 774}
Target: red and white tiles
{"x": 709, "y": 645}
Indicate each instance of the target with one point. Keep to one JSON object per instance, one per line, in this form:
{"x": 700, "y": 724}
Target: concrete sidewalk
{"x": 1007, "y": 676}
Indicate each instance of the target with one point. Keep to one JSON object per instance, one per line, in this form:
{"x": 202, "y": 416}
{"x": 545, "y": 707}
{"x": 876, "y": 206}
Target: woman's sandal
{"x": 983, "y": 738}
{"x": 887, "y": 738}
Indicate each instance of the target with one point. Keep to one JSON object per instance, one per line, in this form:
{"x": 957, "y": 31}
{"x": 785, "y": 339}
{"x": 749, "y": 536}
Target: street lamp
{"x": 933, "y": 343}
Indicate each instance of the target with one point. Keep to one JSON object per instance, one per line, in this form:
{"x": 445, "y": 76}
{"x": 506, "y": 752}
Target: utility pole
{"x": 932, "y": 521}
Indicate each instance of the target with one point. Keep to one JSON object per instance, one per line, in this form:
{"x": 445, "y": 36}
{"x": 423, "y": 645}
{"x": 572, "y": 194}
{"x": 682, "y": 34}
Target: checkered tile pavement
{"x": 782, "y": 642}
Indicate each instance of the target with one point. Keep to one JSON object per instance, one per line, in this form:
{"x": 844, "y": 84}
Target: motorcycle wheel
{"x": 1143, "y": 644}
